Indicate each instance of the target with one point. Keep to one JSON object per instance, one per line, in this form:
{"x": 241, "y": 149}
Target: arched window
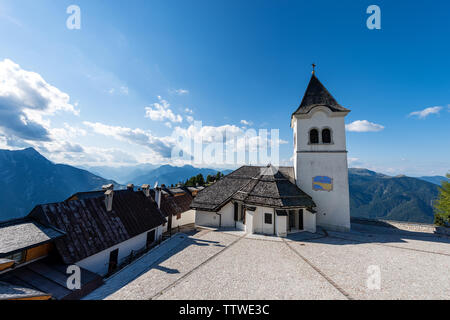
{"x": 326, "y": 136}
{"x": 314, "y": 136}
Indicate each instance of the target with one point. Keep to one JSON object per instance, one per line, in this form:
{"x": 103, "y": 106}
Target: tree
{"x": 200, "y": 180}
{"x": 219, "y": 175}
{"x": 442, "y": 204}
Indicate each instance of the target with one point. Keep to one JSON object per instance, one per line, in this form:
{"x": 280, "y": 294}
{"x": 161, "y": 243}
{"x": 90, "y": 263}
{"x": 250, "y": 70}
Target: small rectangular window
{"x": 268, "y": 218}
{"x": 18, "y": 257}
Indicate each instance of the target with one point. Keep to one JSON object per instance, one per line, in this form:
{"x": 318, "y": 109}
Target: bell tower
{"x": 320, "y": 155}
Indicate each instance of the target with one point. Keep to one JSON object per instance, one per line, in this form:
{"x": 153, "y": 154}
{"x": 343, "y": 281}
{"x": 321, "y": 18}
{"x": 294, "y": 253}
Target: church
{"x": 281, "y": 200}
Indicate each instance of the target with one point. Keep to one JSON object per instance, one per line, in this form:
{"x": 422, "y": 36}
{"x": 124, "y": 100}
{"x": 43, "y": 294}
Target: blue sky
{"x": 137, "y": 71}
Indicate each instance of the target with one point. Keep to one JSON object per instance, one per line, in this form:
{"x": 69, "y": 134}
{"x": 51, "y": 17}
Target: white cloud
{"x": 363, "y": 126}
{"x": 179, "y": 92}
{"x": 121, "y": 90}
{"x": 422, "y": 114}
{"x": 25, "y": 99}
{"x": 161, "y": 111}
{"x": 246, "y": 123}
{"x": 160, "y": 145}
{"x": 124, "y": 90}
{"x": 190, "y": 119}
{"x": 187, "y": 110}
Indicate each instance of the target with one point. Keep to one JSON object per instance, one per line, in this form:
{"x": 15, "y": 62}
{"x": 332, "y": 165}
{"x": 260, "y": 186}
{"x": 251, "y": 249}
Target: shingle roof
{"x": 91, "y": 229}
{"x": 317, "y": 95}
{"x": 263, "y": 186}
{"x": 175, "y": 205}
{"x": 21, "y": 234}
{"x": 43, "y": 278}
{"x": 9, "y": 291}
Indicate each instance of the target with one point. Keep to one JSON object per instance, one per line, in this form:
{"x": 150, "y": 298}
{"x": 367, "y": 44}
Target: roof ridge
{"x": 250, "y": 180}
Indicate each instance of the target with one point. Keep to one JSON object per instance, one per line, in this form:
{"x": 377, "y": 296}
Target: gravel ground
{"x": 191, "y": 253}
{"x": 254, "y": 269}
{"x": 228, "y": 265}
{"x": 405, "y": 274}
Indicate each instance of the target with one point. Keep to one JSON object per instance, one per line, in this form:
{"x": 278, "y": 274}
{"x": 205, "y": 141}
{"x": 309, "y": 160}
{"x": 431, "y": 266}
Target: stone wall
{"x": 408, "y": 226}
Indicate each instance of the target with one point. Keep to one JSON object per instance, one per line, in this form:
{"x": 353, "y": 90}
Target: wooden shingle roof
{"x": 175, "y": 205}
{"x": 253, "y": 185}
{"x": 317, "y": 95}
{"x": 21, "y": 234}
{"x": 90, "y": 228}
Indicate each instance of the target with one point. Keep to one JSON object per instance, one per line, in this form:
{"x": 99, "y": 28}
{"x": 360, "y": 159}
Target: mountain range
{"x": 377, "y": 196}
{"x": 435, "y": 179}
{"x": 172, "y": 175}
{"x": 27, "y": 179}
{"x": 122, "y": 174}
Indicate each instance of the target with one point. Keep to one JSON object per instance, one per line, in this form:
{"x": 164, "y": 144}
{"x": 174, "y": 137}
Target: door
{"x": 300, "y": 219}
{"x": 113, "y": 260}
{"x": 150, "y": 238}
{"x": 291, "y": 219}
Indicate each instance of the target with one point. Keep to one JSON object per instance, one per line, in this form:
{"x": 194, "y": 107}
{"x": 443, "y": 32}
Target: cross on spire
{"x": 314, "y": 68}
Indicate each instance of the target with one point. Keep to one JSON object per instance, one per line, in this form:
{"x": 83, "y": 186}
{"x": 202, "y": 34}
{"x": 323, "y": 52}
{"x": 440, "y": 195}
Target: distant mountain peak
{"x": 30, "y": 150}
{"x": 365, "y": 172}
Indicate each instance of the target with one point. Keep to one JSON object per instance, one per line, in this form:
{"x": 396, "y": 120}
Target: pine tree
{"x": 200, "y": 180}
{"x": 442, "y": 204}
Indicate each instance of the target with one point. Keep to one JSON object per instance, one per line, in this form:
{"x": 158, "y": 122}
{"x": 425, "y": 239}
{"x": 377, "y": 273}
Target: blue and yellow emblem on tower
{"x": 322, "y": 183}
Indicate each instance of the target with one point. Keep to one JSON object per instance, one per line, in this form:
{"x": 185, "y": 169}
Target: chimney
{"x": 146, "y": 190}
{"x": 158, "y": 196}
{"x": 130, "y": 187}
{"x": 109, "y": 200}
{"x": 109, "y": 193}
{"x": 108, "y": 187}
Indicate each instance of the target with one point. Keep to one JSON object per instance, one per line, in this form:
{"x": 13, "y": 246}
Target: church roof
{"x": 253, "y": 185}
{"x": 317, "y": 95}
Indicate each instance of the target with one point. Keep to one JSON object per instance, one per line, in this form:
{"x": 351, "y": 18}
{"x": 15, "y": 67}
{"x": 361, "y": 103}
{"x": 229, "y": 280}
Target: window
{"x": 178, "y": 216}
{"x": 326, "y": 136}
{"x": 313, "y": 136}
{"x": 17, "y": 257}
{"x": 268, "y": 218}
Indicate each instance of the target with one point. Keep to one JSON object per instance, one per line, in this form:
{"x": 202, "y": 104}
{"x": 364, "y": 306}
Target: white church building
{"x": 280, "y": 200}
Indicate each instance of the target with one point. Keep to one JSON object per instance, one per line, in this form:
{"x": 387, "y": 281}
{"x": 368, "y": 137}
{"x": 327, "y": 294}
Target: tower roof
{"x": 317, "y": 95}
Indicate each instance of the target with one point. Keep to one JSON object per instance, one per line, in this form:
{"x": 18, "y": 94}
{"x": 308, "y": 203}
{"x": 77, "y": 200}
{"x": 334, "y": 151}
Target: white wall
{"x": 99, "y": 262}
{"x": 333, "y": 207}
{"x": 227, "y": 213}
{"x": 259, "y": 225}
{"x": 241, "y": 226}
{"x": 187, "y": 217}
{"x": 324, "y": 160}
{"x": 249, "y": 215}
{"x": 309, "y": 221}
{"x": 281, "y": 226}
{"x": 207, "y": 219}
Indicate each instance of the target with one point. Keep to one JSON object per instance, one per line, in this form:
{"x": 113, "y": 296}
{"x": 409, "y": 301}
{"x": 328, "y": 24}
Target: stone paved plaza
{"x": 227, "y": 264}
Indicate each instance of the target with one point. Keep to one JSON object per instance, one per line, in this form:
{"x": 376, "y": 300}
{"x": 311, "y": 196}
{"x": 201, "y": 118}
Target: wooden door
{"x": 151, "y": 238}
{"x": 113, "y": 260}
{"x": 300, "y": 219}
